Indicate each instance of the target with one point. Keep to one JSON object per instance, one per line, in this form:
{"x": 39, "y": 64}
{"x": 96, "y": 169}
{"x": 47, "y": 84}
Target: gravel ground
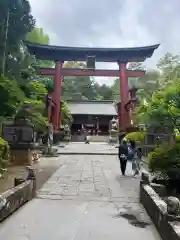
{"x": 44, "y": 170}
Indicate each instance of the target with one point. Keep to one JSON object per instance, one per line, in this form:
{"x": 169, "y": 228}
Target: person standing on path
{"x": 123, "y": 156}
{"x": 135, "y": 159}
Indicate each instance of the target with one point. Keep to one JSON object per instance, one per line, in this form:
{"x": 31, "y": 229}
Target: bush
{"x": 165, "y": 159}
{"x": 4, "y": 155}
{"x": 11, "y": 96}
{"x": 136, "y": 136}
{"x": 164, "y": 162}
{"x": 178, "y": 138}
{"x": 66, "y": 117}
{"x": 33, "y": 110}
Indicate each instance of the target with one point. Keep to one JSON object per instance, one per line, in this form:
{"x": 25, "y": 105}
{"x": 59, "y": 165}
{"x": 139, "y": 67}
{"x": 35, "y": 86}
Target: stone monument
{"x": 20, "y": 135}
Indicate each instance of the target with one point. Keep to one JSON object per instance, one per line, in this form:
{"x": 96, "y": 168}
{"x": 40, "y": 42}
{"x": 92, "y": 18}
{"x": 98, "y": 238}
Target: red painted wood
{"x": 57, "y": 95}
{"x": 51, "y": 105}
{"x": 85, "y": 72}
{"x": 124, "y": 115}
{"x": 123, "y": 73}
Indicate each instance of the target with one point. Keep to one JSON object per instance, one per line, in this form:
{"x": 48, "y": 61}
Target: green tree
{"x": 15, "y": 22}
{"x": 31, "y": 64}
{"x": 148, "y": 84}
{"x": 33, "y": 110}
{"x": 11, "y": 97}
{"x": 116, "y": 90}
{"x": 37, "y": 90}
{"x": 169, "y": 65}
{"x": 66, "y": 117}
{"x": 37, "y": 35}
{"x": 163, "y": 110}
{"x": 104, "y": 92}
{"x": 78, "y": 88}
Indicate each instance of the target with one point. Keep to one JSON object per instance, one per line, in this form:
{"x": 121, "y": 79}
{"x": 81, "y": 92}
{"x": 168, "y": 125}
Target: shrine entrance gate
{"x": 121, "y": 56}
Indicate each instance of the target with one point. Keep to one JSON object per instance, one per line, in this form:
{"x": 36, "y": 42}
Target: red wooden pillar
{"x": 57, "y": 95}
{"x": 124, "y": 117}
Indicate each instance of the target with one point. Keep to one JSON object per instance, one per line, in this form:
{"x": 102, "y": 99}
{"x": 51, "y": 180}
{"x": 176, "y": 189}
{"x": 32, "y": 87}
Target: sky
{"x": 111, "y": 23}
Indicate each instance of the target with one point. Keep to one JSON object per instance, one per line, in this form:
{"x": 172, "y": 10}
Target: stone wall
{"x": 157, "y": 210}
{"x": 16, "y": 197}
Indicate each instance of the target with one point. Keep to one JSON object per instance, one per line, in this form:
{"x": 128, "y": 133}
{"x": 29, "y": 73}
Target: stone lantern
{"x": 113, "y": 130}
{"x": 67, "y": 133}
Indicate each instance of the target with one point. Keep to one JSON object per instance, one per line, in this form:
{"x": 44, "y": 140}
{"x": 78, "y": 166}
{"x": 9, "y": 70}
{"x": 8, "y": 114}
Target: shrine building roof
{"x": 61, "y": 53}
{"x": 92, "y": 107}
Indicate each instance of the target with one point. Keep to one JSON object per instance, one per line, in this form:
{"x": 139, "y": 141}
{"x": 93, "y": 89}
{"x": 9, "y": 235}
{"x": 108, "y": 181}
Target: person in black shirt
{"x": 123, "y": 156}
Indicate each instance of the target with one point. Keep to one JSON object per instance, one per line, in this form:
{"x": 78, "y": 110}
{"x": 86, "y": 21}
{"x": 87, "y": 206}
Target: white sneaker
{"x": 136, "y": 173}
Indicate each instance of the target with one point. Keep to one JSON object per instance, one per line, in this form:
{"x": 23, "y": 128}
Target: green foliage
{"x": 48, "y": 83}
{"x": 66, "y": 117}
{"x": 15, "y": 22}
{"x": 37, "y": 35}
{"x": 162, "y": 111}
{"x": 136, "y": 136}
{"x": 169, "y": 65}
{"x": 37, "y": 90}
{"x": 178, "y": 139}
{"x": 34, "y": 90}
{"x": 165, "y": 159}
{"x": 147, "y": 84}
{"x": 164, "y": 108}
{"x": 40, "y": 122}
{"x": 83, "y": 88}
{"x": 116, "y": 90}
{"x": 10, "y": 96}
{"x": 34, "y": 107}
{"x": 4, "y": 155}
{"x": 33, "y": 110}
{"x": 104, "y": 92}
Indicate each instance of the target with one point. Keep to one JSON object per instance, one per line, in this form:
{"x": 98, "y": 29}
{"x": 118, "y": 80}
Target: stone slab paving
{"x": 92, "y": 148}
{"x": 85, "y": 199}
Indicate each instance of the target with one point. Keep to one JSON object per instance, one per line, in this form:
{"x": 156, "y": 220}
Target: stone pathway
{"x": 85, "y": 199}
{"x": 93, "y": 148}
{"x": 90, "y": 178}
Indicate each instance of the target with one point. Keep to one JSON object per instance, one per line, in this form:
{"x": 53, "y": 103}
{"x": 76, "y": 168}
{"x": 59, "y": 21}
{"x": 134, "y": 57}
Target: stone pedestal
{"x": 20, "y": 135}
{"x": 36, "y": 155}
{"x": 22, "y": 157}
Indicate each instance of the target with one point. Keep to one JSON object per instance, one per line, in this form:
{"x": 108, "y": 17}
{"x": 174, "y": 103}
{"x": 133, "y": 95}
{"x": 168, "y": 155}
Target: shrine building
{"x": 93, "y": 116}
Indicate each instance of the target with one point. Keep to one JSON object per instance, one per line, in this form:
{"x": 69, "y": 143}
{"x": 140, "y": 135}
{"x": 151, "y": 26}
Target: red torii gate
{"x": 120, "y": 55}
{"x": 77, "y": 72}
{"x": 89, "y": 72}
